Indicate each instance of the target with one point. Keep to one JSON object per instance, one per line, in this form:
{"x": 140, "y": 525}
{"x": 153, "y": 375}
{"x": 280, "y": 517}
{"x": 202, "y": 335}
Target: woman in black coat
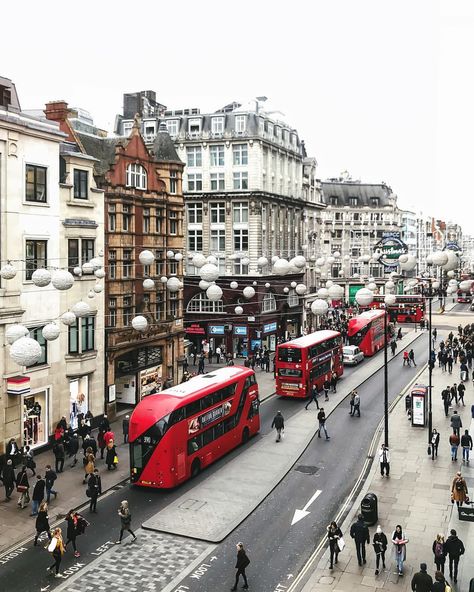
{"x": 23, "y": 488}
{"x": 42, "y": 522}
{"x": 334, "y": 534}
{"x": 439, "y": 585}
{"x": 110, "y": 456}
{"x": 242, "y": 562}
{"x": 74, "y": 529}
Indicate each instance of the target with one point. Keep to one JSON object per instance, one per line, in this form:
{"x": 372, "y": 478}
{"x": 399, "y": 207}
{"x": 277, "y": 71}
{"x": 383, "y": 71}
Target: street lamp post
{"x": 385, "y": 376}
{"x": 430, "y": 363}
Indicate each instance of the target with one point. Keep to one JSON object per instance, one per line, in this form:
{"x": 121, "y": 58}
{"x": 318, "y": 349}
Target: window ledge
{"x": 37, "y": 368}
{"x": 96, "y": 190}
{"x": 84, "y": 203}
{"x": 37, "y": 204}
{"x": 66, "y": 185}
{"x": 89, "y": 355}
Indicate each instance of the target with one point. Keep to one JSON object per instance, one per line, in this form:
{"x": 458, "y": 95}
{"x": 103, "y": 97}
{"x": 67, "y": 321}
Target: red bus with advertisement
{"x": 306, "y": 361}
{"x": 464, "y": 297}
{"x": 407, "y": 308}
{"x": 179, "y": 431}
{"x": 367, "y": 331}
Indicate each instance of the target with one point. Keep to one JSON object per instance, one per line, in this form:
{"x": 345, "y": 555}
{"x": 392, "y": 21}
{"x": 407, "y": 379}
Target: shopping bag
{"x": 52, "y": 544}
{"x": 341, "y": 544}
{"x": 282, "y": 434}
{"x": 115, "y": 460}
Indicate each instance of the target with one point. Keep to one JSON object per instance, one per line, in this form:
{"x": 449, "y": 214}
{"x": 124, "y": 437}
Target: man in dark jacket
{"x": 360, "y": 533}
{"x": 322, "y": 423}
{"x": 90, "y": 442}
{"x": 8, "y": 478}
{"x": 466, "y": 444}
{"x": 456, "y": 422}
{"x": 73, "y": 449}
{"x": 94, "y": 487}
{"x": 422, "y": 581}
{"x": 104, "y": 424}
{"x": 454, "y": 548}
{"x": 59, "y": 454}
{"x": 38, "y": 495}
{"x": 125, "y": 426}
{"x": 50, "y": 477}
{"x": 279, "y": 424}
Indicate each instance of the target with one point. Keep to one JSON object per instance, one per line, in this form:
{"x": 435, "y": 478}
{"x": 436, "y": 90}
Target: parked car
{"x": 472, "y": 306}
{"x": 351, "y": 355}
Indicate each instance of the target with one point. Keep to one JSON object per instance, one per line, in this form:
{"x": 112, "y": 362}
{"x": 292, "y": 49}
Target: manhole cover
{"x": 307, "y": 469}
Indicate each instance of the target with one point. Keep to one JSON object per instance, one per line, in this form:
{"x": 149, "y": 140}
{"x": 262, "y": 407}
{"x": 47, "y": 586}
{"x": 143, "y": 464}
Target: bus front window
{"x": 289, "y": 354}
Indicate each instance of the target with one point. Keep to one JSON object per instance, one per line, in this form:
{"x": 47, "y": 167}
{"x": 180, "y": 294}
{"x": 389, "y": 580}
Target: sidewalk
{"x": 417, "y": 496}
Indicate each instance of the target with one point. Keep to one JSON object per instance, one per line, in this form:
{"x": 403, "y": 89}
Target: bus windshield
{"x": 289, "y": 354}
{"x": 289, "y": 372}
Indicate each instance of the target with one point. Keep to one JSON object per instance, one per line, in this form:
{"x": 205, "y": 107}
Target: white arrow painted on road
{"x": 299, "y": 514}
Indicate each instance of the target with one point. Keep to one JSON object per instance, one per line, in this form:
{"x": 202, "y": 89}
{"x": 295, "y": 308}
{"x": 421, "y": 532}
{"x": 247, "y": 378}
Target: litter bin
{"x": 369, "y": 509}
{"x": 471, "y": 585}
{"x": 408, "y": 404}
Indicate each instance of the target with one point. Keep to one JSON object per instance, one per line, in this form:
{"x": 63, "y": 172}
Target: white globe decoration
{"x": 320, "y": 261}
{"x": 453, "y": 283}
{"x": 364, "y": 258}
{"x": 87, "y": 268}
{"x": 322, "y": 293}
{"x": 412, "y": 283}
{"x": 390, "y": 299}
{"x": 371, "y": 279}
{"x": 62, "y": 279}
{"x": 8, "y": 272}
{"x": 99, "y": 273}
{"x": 41, "y": 278}
{"x": 435, "y": 285}
{"x": 148, "y": 284}
{"x": 319, "y": 307}
{"x": 238, "y": 310}
{"x": 286, "y": 289}
{"x": 356, "y": 275}
{"x": 170, "y": 254}
{"x": 267, "y": 285}
{"x": 146, "y": 257}
{"x": 248, "y": 292}
{"x": 364, "y": 297}
{"x": 312, "y": 258}
{"x": 204, "y": 285}
{"x": 465, "y": 285}
{"x": 372, "y": 286}
{"x": 211, "y": 259}
{"x": 275, "y": 259}
{"x": 330, "y": 260}
{"x": 163, "y": 279}
{"x": 245, "y": 261}
{"x": 429, "y": 259}
{"x": 173, "y": 284}
{"x": 209, "y": 272}
{"x": 234, "y": 285}
{"x": 451, "y": 273}
{"x": 233, "y": 256}
{"x": 26, "y": 351}
{"x": 96, "y": 263}
{"x": 336, "y": 292}
{"x": 300, "y": 289}
{"x": 91, "y": 294}
{"x": 449, "y": 290}
{"x": 198, "y": 260}
{"x": 254, "y": 283}
{"x": 390, "y": 285}
{"x": 299, "y": 261}
{"x": 68, "y": 318}
{"x": 51, "y": 331}
{"x": 407, "y": 262}
{"x": 98, "y": 288}
{"x": 347, "y": 257}
{"x": 336, "y": 254}
{"x": 329, "y": 283}
{"x": 77, "y": 271}
{"x": 439, "y": 258}
{"x": 281, "y": 267}
{"x": 16, "y": 331}
{"x": 262, "y": 262}
{"x": 178, "y": 257}
{"x": 139, "y": 323}
{"x": 81, "y": 309}
{"x": 214, "y": 292}
{"x": 393, "y": 274}
{"x": 293, "y": 284}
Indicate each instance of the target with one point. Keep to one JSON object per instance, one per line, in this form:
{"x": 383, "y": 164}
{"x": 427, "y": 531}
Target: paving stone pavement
{"x": 149, "y": 564}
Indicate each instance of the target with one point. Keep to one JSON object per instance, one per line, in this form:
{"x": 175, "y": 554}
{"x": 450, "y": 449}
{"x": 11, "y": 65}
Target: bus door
{"x": 180, "y": 463}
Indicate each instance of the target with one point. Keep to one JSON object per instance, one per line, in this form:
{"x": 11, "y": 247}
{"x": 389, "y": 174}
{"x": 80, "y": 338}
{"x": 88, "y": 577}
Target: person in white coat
{"x": 384, "y": 459}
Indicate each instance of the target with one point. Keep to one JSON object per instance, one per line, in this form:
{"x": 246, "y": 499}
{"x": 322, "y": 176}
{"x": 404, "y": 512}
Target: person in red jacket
{"x": 108, "y": 436}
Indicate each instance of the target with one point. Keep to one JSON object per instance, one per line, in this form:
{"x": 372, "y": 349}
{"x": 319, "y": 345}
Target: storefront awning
{"x": 18, "y": 385}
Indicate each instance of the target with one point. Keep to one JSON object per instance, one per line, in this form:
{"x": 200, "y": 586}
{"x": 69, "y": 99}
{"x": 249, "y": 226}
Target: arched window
{"x": 136, "y": 176}
{"x": 268, "y": 303}
{"x": 201, "y": 303}
{"x": 293, "y": 299}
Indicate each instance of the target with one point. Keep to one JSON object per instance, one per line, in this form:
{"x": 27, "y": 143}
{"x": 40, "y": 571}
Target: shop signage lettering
{"x": 240, "y": 330}
{"x": 452, "y": 246}
{"x": 195, "y": 329}
{"x": 215, "y": 329}
{"x": 391, "y": 247}
{"x": 269, "y": 327}
{"x": 322, "y": 358}
{"x": 198, "y": 423}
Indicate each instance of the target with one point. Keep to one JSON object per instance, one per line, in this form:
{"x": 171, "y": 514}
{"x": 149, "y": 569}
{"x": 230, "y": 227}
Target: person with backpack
{"x": 440, "y": 584}
{"x": 76, "y": 525}
{"x": 49, "y": 478}
{"x": 242, "y": 563}
{"x": 23, "y": 487}
{"x": 279, "y": 424}
{"x": 466, "y": 445}
{"x": 411, "y": 357}
{"x": 379, "y": 543}
{"x": 125, "y": 521}
{"x": 56, "y": 548}
{"x": 454, "y": 443}
{"x": 42, "y": 522}
{"x": 459, "y": 490}
{"x": 439, "y": 552}
{"x": 454, "y": 548}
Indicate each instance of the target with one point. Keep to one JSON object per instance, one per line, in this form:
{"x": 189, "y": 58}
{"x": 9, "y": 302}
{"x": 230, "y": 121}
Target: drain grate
{"x": 308, "y": 469}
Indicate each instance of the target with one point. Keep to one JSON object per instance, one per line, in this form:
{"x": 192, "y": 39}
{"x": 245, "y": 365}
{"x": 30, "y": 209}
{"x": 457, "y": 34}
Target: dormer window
{"x": 240, "y": 123}
{"x": 333, "y": 200}
{"x": 353, "y": 201}
{"x": 375, "y": 202}
{"x": 136, "y": 176}
{"x": 127, "y": 128}
{"x": 217, "y": 125}
{"x": 194, "y": 126}
{"x": 172, "y": 126}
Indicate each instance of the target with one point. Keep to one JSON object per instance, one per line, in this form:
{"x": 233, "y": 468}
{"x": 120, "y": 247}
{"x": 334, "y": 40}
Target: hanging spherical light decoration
{"x": 329, "y": 283}
{"x": 372, "y": 286}
{"x": 356, "y": 275}
{"x": 300, "y": 289}
{"x": 248, "y": 292}
{"x": 81, "y": 309}
{"x": 163, "y": 279}
{"x": 439, "y": 258}
{"x": 198, "y": 260}
{"x": 204, "y": 285}
{"x": 336, "y": 292}
{"x": 26, "y": 351}
{"x": 62, "y": 279}
{"x": 465, "y": 285}
{"x": 91, "y": 294}
{"x": 336, "y": 254}
{"x": 275, "y": 259}
{"x": 209, "y": 272}
{"x": 262, "y": 262}
{"x": 234, "y": 285}
{"x": 312, "y": 258}
{"x": 319, "y": 307}
{"x": 178, "y": 257}
{"x": 238, "y": 310}
{"x": 412, "y": 283}
{"x": 293, "y": 284}
{"x": 51, "y": 331}
{"x": 281, "y": 267}
{"x": 41, "y": 278}
{"x": 322, "y": 293}
{"x": 99, "y": 273}
{"x": 170, "y": 254}
{"x": 68, "y": 318}
{"x": 77, "y": 271}
{"x": 390, "y": 299}
{"x": 214, "y": 292}
{"x": 7, "y": 272}
{"x": 390, "y": 285}
{"x": 435, "y": 285}
{"x": 451, "y": 273}
{"x": 364, "y": 297}
{"x": 407, "y": 262}
{"x": 96, "y": 263}
{"x": 254, "y": 283}
{"x": 320, "y": 261}
{"x": 15, "y": 331}
{"x": 98, "y": 288}
{"x": 267, "y": 285}
{"x": 429, "y": 259}
{"x": 330, "y": 260}
{"x": 148, "y": 284}
{"x": 286, "y": 289}
{"x": 173, "y": 284}
{"x": 245, "y": 261}
{"x": 87, "y": 268}
{"x": 212, "y": 260}
{"x": 146, "y": 257}
{"x": 365, "y": 258}
{"x": 139, "y": 323}
{"x": 299, "y": 261}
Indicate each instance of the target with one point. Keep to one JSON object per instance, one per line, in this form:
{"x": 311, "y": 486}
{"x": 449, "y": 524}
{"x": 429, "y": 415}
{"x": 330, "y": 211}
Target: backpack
{"x": 439, "y": 550}
{"x": 459, "y": 485}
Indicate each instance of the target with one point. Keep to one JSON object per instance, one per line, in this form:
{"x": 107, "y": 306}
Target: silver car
{"x": 351, "y": 355}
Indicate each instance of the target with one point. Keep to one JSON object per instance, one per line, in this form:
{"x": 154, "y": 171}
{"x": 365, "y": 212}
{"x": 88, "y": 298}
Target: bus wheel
{"x": 245, "y": 435}
{"x": 408, "y": 320}
{"x": 195, "y": 468}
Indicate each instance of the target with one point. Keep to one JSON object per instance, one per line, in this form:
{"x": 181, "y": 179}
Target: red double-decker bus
{"x": 306, "y": 361}
{"x": 407, "y": 308}
{"x": 367, "y": 331}
{"x": 179, "y": 431}
{"x": 464, "y": 296}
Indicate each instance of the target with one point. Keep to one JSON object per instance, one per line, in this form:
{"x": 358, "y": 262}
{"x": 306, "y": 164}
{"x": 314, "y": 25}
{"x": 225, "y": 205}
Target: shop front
{"x": 34, "y": 410}
{"x": 292, "y": 328}
{"x": 78, "y": 399}
{"x": 269, "y": 336}
{"x": 196, "y": 333}
{"x": 216, "y": 336}
{"x": 138, "y": 373}
{"x": 240, "y": 341}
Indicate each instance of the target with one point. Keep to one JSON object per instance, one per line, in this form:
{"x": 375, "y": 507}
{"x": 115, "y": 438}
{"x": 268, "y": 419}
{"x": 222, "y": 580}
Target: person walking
{"x": 422, "y": 581}
{"x": 241, "y": 565}
{"x": 23, "y": 488}
{"x": 384, "y": 459}
{"x": 56, "y": 548}
{"x": 49, "y": 478}
{"x": 440, "y": 584}
{"x": 13, "y": 452}
{"x": 8, "y": 478}
{"x": 434, "y": 443}
{"x": 406, "y": 359}
{"x": 125, "y": 521}
{"x": 73, "y": 449}
{"x": 360, "y": 533}
{"x": 326, "y": 387}
{"x": 104, "y": 424}
{"x": 38, "y": 495}
{"x": 59, "y": 455}
{"x": 125, "y": 428}
{"x": 334, "y": 534}
{"x": 322, "y": 423}
{"x": 42, "y": 523}
{"x": 399, "y": 541}
{"x": 89, "y": 464}
{"x": 279, "y": 424}
{"x": 454, "y": 548}
{"x": 380, "y": 544}
{"x": 351, "y": 402}
{"x": 459, "y": 489}
{"x": 28, "y": 460}
{"x": 356, "y": 404}
{"x": 411, "y": 357}
{"x": 313, "y": 397}
{"x": 76, "y": 526}
{"x": 201, "y": 364}
{"x": 101, "y": 443}
{"x": 446, "y": 396}
{"x": 454, "y": 394}
{"x": 94, "y": 489}
{"x": 461, "y": 391}
{"x": 439, "y": 552}
{"x": 466, "y": 445}
{"x": 393, "y": 346}
{"x": 454, "y": 443}
{"x": 111, "y": 458}
{"x": 456, "y": 422}
{"x": 334, "y": 379}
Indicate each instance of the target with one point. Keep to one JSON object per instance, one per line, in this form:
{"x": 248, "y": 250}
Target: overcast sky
{"x": 381, "y": 89}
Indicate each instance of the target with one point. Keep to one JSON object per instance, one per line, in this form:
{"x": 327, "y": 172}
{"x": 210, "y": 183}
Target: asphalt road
{"x": 277, "y": 549}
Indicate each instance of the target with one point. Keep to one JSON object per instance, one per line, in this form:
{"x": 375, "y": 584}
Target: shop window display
{"x": 35, "y": 420}
{"x": 79, "y": 400}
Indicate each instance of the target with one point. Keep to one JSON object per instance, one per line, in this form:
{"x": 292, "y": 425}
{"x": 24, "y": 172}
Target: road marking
{"x": 300, "y": 514}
